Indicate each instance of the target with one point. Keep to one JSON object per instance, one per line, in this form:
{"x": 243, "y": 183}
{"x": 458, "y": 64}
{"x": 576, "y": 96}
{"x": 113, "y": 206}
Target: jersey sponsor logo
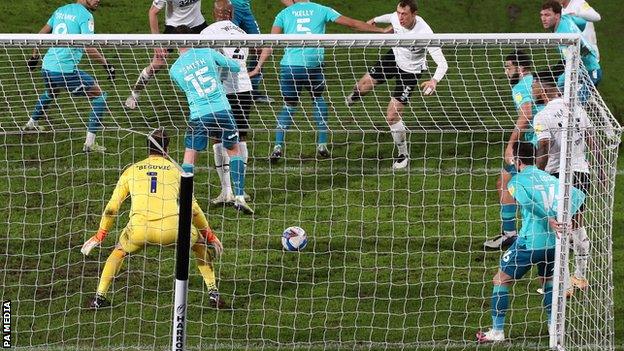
{"x": 185, "y": 3}
{"x": 518, "y": 98}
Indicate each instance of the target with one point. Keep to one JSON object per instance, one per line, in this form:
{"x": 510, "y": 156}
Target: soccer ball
{"x": 294, "y": 239}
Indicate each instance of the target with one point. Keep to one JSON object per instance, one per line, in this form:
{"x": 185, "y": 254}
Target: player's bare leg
{"x": 364, "y": 86}
{"x": 398, "y": 130}
{"x": 158, "y": 62}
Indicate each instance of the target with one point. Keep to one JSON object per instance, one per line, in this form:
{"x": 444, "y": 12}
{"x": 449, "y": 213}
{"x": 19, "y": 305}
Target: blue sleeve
{"x": 521, "y": 96}
{"x": 522, "y": 196}
{"x": 174, "y": 77}
{"x": 331, "y": 15}
{"x": 87, "y": 26}
{"x": 279, "y": 20}
{"x": 51, "y": 20}
{"x": 225, "y": 62}
{"x": 580, "y": 22}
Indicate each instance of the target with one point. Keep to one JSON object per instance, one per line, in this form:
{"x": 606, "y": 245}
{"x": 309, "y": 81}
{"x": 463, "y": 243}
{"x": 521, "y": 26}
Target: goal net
{"x": 395, "y": 258}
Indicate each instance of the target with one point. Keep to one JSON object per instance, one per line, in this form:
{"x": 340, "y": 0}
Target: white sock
{"x": 243, "y": 151}
{"x": 399, "y": 136}
{"x": 90, "y": 139}
{"x": 220, "y": 165}
{"x": 227, "y": 181}
{"x": 581, "y": 252}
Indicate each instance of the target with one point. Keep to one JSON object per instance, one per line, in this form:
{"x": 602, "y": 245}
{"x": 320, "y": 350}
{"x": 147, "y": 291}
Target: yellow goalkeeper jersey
{"x": 153, "y": 185}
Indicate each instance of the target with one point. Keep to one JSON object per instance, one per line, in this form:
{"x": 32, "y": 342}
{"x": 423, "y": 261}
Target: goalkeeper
{"x": 536, "y": 192}
{"x": 153, "y": 185}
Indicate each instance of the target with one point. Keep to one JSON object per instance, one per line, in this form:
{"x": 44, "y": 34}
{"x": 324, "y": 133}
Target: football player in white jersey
{"x": 238, "y": 88}
{"x": 548, "y": 124}
{"x": 406, "y": 66}
{"x": 580, "y": 8}
{"x": 177, "y": 13}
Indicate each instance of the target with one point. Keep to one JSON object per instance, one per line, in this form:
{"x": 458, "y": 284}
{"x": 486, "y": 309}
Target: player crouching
{"x": 153, "y": 185}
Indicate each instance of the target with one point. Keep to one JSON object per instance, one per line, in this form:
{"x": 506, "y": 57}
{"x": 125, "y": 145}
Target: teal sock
{"x": 187, "y": 167}
{"x": 237, "y": 171}
{"x": 500, "y": 302}
{"x": 98, "y": 109}
{"x": 508, "y": 217}
{"x": 320, "y": 116}
{"x": 284, "y": 121}
{"x": 44, "y": 100}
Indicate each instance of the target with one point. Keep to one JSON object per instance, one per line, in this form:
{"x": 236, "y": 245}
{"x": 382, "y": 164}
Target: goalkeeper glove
{"x": 110, "y": 70}
{"x": 94, "y": 241}
{"x": 32, "y": 62}
{"x": 212, "y": 240}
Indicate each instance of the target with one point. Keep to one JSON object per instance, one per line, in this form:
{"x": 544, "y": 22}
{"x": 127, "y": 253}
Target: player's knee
{"x": 95, "y": 92}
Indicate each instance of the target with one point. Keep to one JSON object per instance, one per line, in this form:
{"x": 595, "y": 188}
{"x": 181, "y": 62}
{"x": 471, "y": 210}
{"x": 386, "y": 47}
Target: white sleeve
{"x": 587, "y": 13}
{"x": 540, "y": 125}
{"x": 440, "y": 60}
{"x": 387, "y": 18}
{"x": 159, "y": 4}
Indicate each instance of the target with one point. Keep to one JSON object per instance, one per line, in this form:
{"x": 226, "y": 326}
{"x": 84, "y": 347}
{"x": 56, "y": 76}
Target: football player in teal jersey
{"x": 60, "y": 72}
{"x": 197, "y": 72}
{"x": 301, "y": 68}
{"x": 536, "y": 192}
{"x": 554, "y": 21}
{"x": 518, "y": 67}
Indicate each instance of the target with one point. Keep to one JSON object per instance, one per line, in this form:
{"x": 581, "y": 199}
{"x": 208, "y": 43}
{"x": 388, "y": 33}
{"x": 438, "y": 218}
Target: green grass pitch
{"x": 394, "y": 261}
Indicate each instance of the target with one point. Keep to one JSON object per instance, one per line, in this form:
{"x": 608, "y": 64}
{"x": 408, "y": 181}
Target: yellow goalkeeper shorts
{"x": 140, "y": 233}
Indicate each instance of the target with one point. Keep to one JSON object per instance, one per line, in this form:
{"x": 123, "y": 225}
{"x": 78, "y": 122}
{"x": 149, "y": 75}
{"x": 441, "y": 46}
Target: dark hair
{"x": 411, "y": 3}
{"x": 525, "y": 151}
{"x": 183, "y": 30}
{"x": 552, "y": 5}
{"x": 520, "y": 58}
{"x": 161, "y": 138}
{"x": 547, "y": 77}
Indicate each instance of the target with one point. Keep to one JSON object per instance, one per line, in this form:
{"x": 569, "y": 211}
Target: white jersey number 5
{"x": 300, "y": 25}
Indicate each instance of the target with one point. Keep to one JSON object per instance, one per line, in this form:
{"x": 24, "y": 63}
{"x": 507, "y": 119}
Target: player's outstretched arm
{"x": 265, "y": 54}
{"x": 33, "y": 61}
{"x": 358, "y": 25}
{"x": 429, "y": 86}
{"x": 227, "y": 63}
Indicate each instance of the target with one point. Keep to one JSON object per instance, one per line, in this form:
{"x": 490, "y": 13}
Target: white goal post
{"x": 394, "y": 260}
